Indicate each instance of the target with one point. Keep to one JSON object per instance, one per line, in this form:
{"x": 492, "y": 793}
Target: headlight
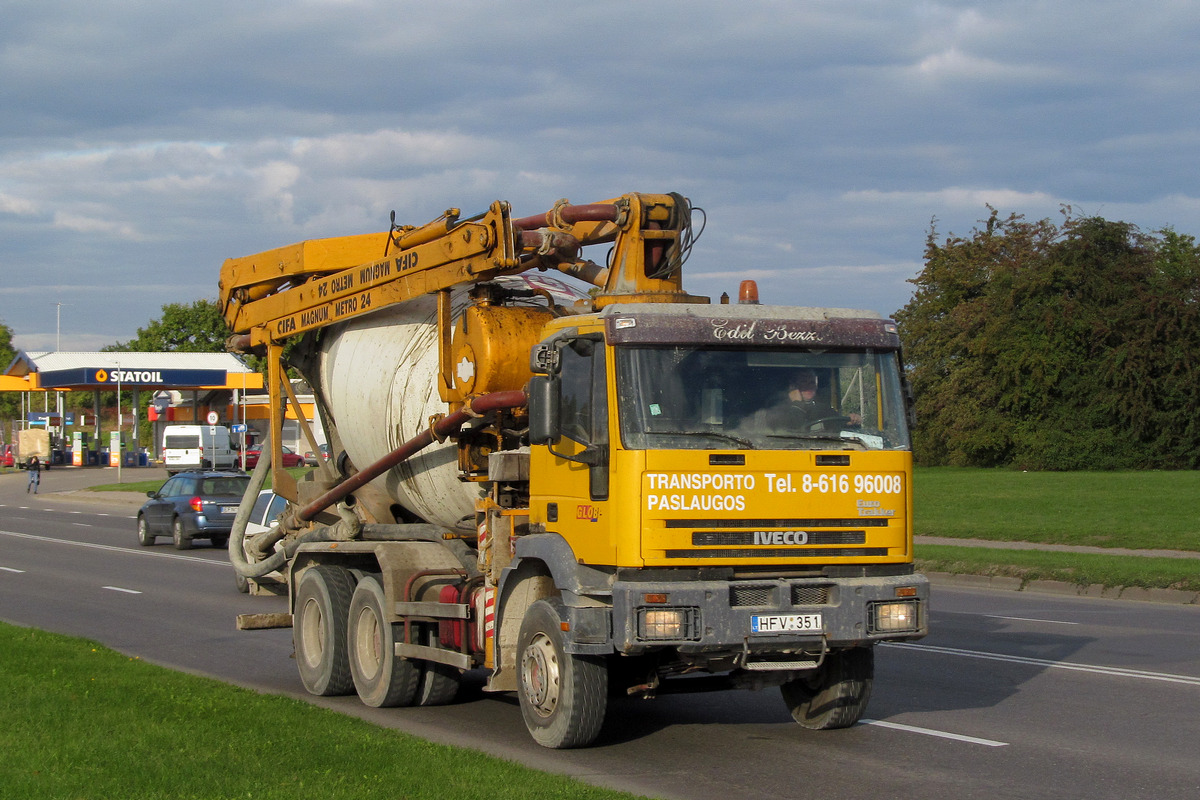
{"x": 668, "y": 624}
{"x": 894, "y": 617}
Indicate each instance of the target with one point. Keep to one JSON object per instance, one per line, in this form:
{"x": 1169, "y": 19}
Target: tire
{"x": 182, "y": 540}
{"x": 145, "y": 537}
{"x": 381, "y": 679}
{"x": 563, "y": 697}
{"x": 319, "y": 630}
{"x": 837, "y": 695}
{"x": 439, "y": 682}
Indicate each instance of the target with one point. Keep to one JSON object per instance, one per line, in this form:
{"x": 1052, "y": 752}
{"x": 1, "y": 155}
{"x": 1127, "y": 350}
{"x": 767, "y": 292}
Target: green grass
{"x": 80, "y": 721}
{"x": 1138, "y": 510}
{"x": 1081, "y": 569}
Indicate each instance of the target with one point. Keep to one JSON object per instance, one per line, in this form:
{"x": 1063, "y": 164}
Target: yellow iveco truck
{"x": 624, "y": 492}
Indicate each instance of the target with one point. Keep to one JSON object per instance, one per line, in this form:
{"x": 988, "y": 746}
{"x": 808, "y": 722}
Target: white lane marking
{"x": 119, "y": 589}
{"x": 125, "y": 550}
{"x": 83, "y": 524}
{"x": 10, "y": 569}
{"x": 1095, "y": 669}
{"x": 958, "y": 737}
{"x": 93, "y": 513}
{"x": 1030, "y": 619}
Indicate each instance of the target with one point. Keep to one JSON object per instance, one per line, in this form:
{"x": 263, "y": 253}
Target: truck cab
{"x": 721, "y": 520}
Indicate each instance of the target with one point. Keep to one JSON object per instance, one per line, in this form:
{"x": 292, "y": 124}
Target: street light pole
{"x": 120, "y": 422}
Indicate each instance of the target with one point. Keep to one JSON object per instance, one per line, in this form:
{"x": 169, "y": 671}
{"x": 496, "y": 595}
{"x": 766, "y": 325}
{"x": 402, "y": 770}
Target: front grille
{"x": 751, "y": 596}
{"x": 741, "y": 595}
{"x": 787, "y": 524}
{"x": 781, "y": 552}
{"x": 803, "y": 595}
{"x": 727, "y": 538}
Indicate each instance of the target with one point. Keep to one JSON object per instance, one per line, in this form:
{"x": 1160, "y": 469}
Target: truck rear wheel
{"x": 319, "y": 630}
{"x": 563, "y": 697}
{"x": 381, "y": 679}
{"x": 836, "y": 696}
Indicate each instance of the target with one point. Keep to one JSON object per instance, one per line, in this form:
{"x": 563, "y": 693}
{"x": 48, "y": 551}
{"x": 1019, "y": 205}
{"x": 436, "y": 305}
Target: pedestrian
{"x": 34, "y": 465}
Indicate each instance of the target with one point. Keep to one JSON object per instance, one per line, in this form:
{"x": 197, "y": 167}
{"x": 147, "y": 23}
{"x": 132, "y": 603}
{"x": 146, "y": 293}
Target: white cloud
{"x": 146, "y": 142}
{"x": 16, "y": 205}
{"x": 90, "y": 225}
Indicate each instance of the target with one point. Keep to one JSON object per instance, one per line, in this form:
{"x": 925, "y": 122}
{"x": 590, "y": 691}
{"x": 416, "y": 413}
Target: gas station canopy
{"x": 95, "y": 371}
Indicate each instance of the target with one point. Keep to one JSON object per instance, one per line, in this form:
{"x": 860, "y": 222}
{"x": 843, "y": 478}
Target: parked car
{"x": 8, "y": 458}
{"x": 290, "y": 457}
{"x": 263, "y": 517}
{"x": 311, "y": 458}
{"x": 192, "y": 505}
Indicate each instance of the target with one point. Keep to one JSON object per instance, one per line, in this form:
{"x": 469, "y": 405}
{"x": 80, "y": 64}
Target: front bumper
{"x": 718, "y": 617}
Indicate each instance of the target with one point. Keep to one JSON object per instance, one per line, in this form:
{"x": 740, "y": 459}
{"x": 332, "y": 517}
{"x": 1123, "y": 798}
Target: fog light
{"x": 894, "y": 617}
{"x": 668, "y": 624}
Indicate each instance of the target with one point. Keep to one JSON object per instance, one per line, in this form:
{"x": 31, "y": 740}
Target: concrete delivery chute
{"x": 632, "y": 490}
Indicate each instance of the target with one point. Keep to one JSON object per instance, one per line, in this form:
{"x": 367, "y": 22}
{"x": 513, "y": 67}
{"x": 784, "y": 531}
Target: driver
{"x": 800, "y": 411}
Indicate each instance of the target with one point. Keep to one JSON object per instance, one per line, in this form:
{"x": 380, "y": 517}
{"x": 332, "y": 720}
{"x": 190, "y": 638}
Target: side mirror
{"x": 544, "y": 422}
{"x": 152, "y": 494}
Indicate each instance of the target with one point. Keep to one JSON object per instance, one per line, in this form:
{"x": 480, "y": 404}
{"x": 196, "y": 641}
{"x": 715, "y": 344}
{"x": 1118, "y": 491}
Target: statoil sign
{"x": 128, "y": 376}
{"x": 112, "y": 376}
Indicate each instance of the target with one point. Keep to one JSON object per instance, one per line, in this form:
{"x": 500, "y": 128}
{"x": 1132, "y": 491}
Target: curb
{"x": 1062, "y": 588}
{"x": 130, "y": 500}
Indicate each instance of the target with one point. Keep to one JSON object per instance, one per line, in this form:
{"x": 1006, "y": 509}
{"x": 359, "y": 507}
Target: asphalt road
{"x": 1013, "y": 695}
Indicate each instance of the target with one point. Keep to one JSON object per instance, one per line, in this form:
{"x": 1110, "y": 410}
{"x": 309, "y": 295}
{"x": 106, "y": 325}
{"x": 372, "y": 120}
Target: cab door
{"x": 578, "y": 486}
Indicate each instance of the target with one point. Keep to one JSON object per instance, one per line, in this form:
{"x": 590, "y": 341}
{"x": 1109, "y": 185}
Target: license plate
{"x": 785, "y": 623}
{"x": 229, "y": 509}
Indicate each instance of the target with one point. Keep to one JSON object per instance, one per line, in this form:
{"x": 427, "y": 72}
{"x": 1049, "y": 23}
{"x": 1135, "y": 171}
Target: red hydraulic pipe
{"x": 594, "y": 212}
{"x": 440, "y": 429}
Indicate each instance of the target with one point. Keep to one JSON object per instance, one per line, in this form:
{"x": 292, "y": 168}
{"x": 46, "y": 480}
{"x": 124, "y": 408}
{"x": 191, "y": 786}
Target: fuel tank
{"x": 379, "y": 375}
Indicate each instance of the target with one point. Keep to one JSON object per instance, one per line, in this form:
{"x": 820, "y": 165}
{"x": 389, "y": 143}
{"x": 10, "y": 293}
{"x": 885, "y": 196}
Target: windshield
{"x": 759, "y": 399}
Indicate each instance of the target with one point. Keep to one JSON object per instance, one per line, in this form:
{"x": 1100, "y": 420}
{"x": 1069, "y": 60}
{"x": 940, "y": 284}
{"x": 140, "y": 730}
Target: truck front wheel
{"x": 381, "y": 679}
{"x": 836, "y": 696}
{"x": 563, "y": 697}
{"x": 319, "y": 630}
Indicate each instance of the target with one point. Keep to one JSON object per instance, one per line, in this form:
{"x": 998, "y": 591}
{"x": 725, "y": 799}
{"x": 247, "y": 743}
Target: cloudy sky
{"x": 142, "y": 143}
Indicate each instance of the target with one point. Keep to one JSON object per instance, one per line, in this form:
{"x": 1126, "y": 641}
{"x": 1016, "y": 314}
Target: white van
{"x": 187, "y": 447}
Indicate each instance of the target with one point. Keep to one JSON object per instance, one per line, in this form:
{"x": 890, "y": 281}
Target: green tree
{"x": 10, "y": 404}
{"x": 195, "y": 328}
{"x": 1049, "y": 346}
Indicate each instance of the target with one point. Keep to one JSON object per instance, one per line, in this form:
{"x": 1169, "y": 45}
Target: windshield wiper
{"x": 746, "y": 443}
{"x": 819, "y": 437}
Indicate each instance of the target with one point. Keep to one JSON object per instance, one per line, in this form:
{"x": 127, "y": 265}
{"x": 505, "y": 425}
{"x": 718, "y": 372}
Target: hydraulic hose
{"x": 237, "y": 538}
{"x": 443, "y": 427}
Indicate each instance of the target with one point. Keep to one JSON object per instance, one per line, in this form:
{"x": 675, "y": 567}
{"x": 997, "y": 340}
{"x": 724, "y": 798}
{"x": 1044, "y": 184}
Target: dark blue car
{"x": 193, "y": 505}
